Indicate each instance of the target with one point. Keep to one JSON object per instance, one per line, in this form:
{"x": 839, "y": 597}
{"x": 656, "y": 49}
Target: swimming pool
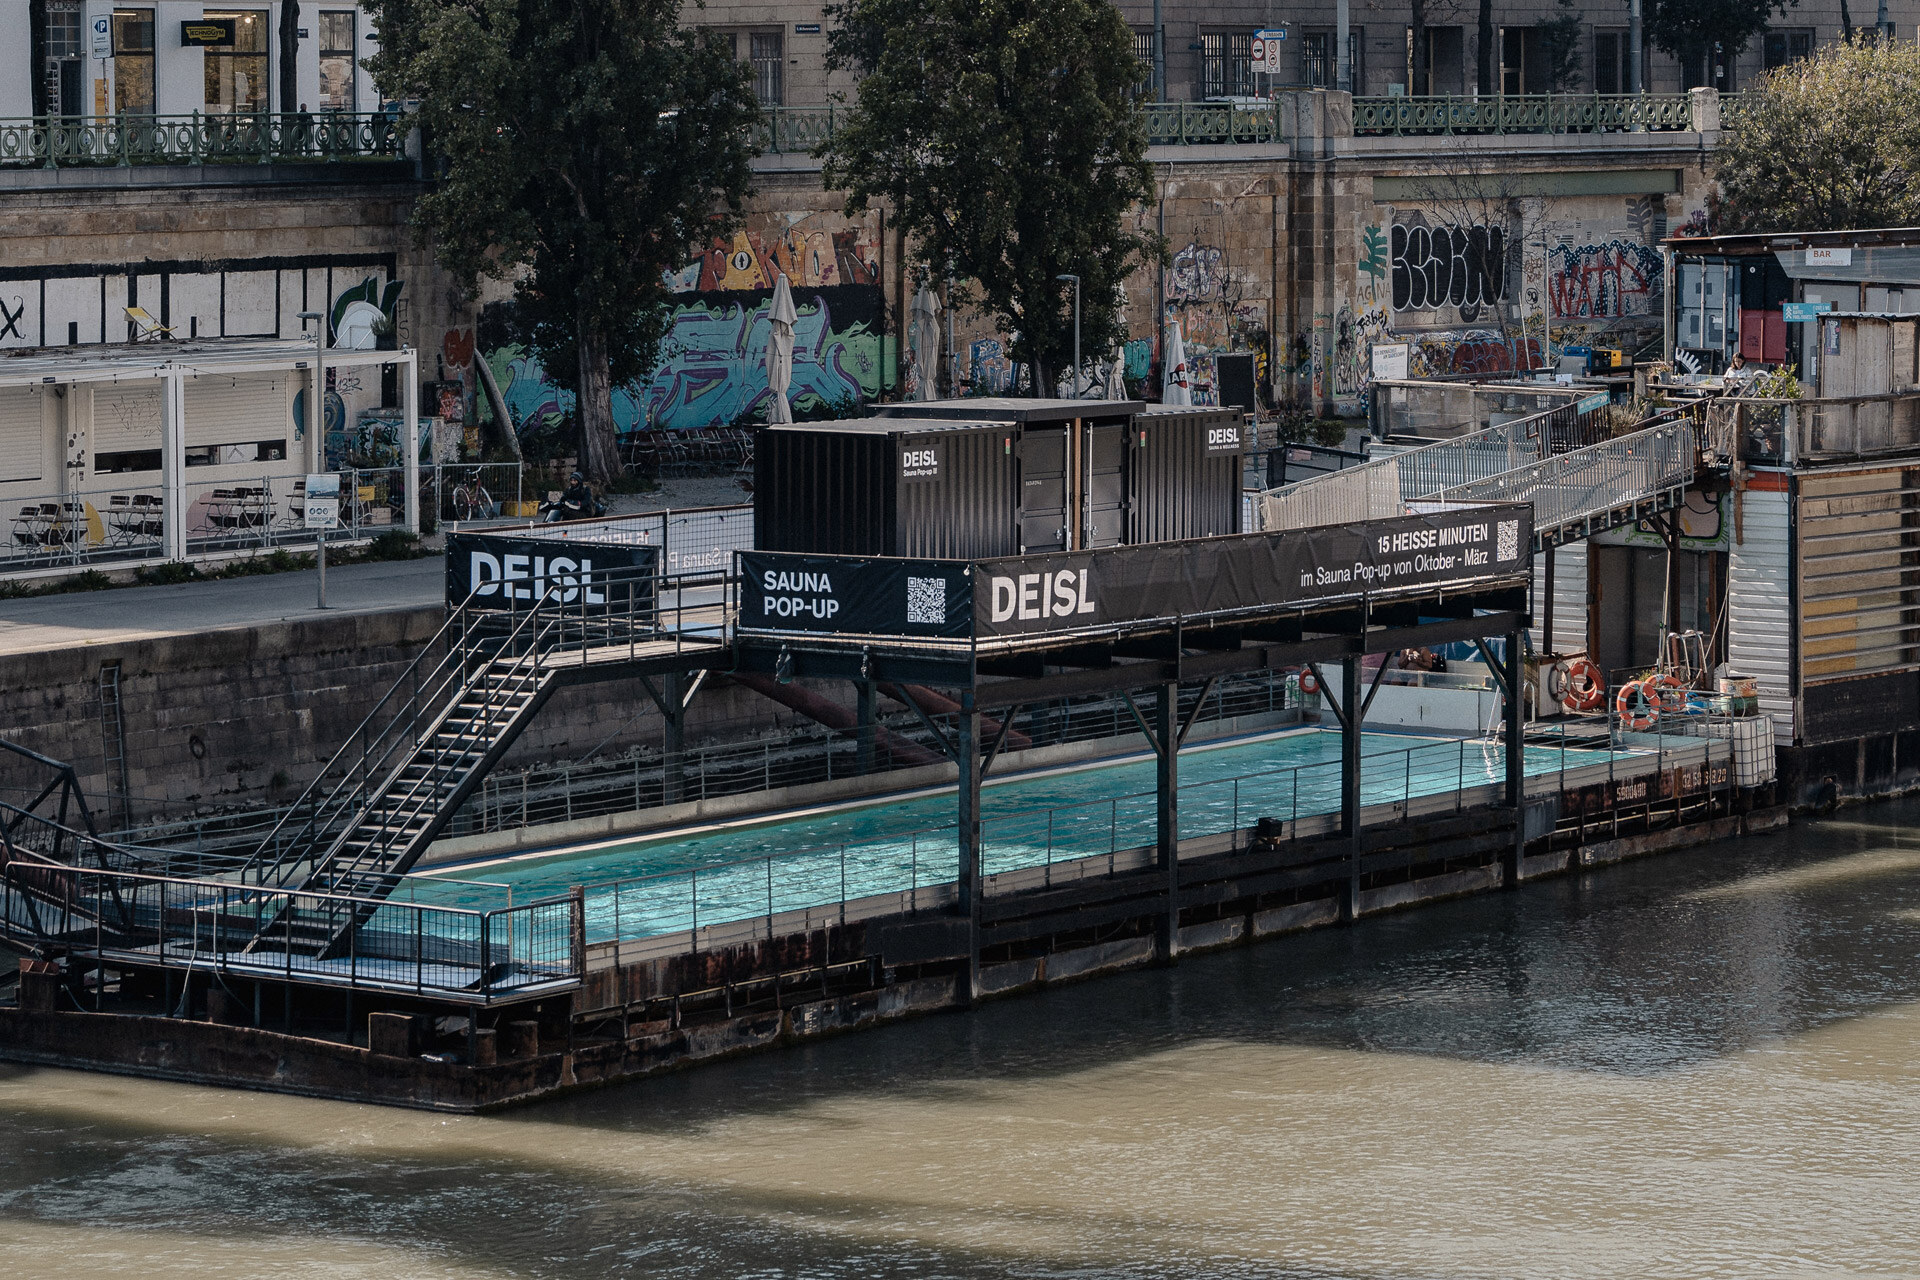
{"x": 644, "y": 886}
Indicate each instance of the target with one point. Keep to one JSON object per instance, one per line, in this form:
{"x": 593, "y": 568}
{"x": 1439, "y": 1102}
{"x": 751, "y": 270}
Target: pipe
{"x": 502, "y": 420}
{"x": 939, "y": 704}
{"x": 834, "y": 716}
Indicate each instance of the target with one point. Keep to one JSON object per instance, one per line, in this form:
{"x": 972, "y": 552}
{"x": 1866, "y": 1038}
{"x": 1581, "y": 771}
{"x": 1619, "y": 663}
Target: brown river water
{"x": 1706, "y": 1064}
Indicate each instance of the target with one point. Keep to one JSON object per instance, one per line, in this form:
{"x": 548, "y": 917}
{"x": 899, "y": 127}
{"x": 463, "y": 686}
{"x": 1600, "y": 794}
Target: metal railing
{"x": 1523, "y": 113}
{"x": 1383, "y": 488}
{"x": 1113, "y": 835}
{"x": 107, "y": 524}
{"x": 57, "y": 142}
{"x": 449, "y": 952}
{"x": 476, "y": 492}
{"x": 1571, "y": 488}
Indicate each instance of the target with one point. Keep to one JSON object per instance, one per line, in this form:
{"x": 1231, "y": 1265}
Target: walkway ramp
{"x": 1579, "y": 481}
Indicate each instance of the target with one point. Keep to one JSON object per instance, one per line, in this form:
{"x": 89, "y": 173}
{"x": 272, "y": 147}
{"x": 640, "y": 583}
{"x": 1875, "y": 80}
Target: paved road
{"x": 138, "y": 613}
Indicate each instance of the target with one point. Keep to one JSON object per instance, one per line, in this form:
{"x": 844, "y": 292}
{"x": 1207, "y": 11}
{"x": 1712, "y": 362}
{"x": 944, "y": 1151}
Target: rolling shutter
{"x": 22, "y": 439}
{"x": 238, "y": 410}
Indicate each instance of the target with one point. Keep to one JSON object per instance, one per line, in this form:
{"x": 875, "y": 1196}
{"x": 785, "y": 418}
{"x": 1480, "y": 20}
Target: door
{"x": 1107, "y": 486}
{"x": 1043, "y": 489}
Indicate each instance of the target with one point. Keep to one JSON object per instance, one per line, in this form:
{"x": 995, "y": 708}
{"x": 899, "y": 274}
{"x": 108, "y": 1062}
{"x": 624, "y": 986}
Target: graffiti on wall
{"x": 1470, "y": 351}
{"x": 989, "y": 370}
{"x": 1613, "y": 278}
{"x": 712, "y": 363}
{"x": 1204, "y": 297}
{"x": 1354, "y": 334}
{"x": 1448, "y": 266}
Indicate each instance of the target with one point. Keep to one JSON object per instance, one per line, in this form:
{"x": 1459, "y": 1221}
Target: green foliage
{"x": 1560, "y": 40}
{"x": 279, "y": 560}
{"x": 165, "y": 575}
{"x": 1689, "y": 28}
{"x": 587, "y": 145}
{"x": 1826, "y": 144}
{"x": 1781, "y": 382}
{"x": 394, "y": 544}
{"x": 1006, "y": 142}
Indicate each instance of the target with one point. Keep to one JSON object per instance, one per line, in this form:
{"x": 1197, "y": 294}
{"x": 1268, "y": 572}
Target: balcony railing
{"x": 1526, "y": 113}
{"x": 58, "y": 142}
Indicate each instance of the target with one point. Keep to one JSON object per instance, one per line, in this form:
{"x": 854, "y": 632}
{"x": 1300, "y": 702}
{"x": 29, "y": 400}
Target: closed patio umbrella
{"x": 1173, "y": 365}
{"x": 781, "y": 314}
{"x": 924, "y": 333}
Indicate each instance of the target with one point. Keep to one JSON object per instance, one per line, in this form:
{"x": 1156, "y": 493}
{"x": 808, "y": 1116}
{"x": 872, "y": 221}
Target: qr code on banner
{"x": 927, "y": 600}
{"x": 1509, "y": 541}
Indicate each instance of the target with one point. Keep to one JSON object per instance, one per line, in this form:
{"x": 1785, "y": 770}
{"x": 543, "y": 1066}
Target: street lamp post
{"x": 1076, "y": 331}
{"x": 316, "y": 424}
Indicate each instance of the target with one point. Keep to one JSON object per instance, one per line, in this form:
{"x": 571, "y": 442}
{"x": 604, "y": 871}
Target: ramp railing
{"x": 1572, "y": 489}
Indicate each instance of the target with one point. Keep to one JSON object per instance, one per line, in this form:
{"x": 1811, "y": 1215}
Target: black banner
{"x": 1071, "y": 591}
{"x": 512, "y": 572}
{"x": 844, "y": 595}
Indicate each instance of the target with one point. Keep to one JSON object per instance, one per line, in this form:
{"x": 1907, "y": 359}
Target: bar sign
{"x": 1598, "y": 400}
{"x": 1801, "y": 312}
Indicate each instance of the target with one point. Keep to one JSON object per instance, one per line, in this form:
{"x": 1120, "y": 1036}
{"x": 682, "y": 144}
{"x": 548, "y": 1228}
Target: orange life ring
{"x": 1668, "y": 694}
{"x": 1646, "y": 713}
{"x": 1309, "y": 683}
{"x": 1584, "y": 689}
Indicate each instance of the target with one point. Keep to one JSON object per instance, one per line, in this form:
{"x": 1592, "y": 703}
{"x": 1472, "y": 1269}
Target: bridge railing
{"x": 57, "y": 142}
{"x": 1523, "y": 113}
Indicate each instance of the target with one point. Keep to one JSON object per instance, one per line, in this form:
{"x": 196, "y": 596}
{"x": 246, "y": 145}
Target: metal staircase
{"x": 1579, "y": 481}
{"x": 398, "y": 780}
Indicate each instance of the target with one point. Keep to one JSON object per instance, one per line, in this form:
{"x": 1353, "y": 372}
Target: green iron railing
{"x": 56, "y": 142}
{"x": 1528, "y": 113}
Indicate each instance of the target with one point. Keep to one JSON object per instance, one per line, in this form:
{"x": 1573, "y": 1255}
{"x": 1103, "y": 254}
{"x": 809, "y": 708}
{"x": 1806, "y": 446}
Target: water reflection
{"x": 1700, "y": 1065}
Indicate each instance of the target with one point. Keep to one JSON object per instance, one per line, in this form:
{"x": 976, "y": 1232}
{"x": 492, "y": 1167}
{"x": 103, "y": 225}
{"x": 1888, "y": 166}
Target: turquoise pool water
{"x": 680, "y": 882}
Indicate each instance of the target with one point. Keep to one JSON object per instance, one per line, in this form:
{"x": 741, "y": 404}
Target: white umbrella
{"x": 923, "y": 333}
{"x": 1173, "y": 366}
{"x": 780, "y": 350}
{"x": 1116, "y": 387}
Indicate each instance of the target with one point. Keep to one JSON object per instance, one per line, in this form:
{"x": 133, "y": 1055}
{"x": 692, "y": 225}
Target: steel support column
{"x": 866, "y": 710}
{"x": 1166, "y": 745}
{"x": 968, "y": 905}
{"x": 1516, "y": 747}
{"x": 673, "y": 747}
{"x": 1350, "y": 713}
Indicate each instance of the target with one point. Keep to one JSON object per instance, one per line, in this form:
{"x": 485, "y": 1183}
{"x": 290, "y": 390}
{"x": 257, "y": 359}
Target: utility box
{"x": 930, "y": 489}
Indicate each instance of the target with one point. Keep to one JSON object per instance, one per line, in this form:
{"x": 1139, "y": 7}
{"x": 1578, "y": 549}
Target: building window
{"x": 1226, "y": 64}
{"x": 1609, "y": 62}
{"x": 1143, "y": 50}
{"x": 60, "y": 46}
{"x": 133, "y": 62}
{"x": 1316, "y": 60}
{"x": 336, "y": 61}
{"x": 765, "y": 53}
{"x": 236, "y": 74}
{"x": 1782, "y": 47}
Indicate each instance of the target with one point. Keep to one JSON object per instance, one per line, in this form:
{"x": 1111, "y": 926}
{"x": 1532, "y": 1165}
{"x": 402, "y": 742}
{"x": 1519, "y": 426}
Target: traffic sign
{"x": 1268, "y": 48}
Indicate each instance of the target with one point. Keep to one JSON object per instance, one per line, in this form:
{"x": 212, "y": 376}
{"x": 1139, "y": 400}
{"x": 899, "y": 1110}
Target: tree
{"x": 1560, "y": 40}
{"x": 1006, "y": 140}
{"x": 1688, "y": 29}
{"x": 1825, "y": 144}
{"x": 585, "y": 146}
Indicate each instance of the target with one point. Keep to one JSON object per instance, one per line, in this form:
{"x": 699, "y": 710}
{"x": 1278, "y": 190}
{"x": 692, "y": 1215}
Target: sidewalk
{"x": 145, "y": 613}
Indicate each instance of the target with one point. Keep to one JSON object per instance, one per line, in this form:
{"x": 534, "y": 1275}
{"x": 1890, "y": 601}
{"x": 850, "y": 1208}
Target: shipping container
{"x": 1184, "y": 473}
{"x": 927, "y": 489}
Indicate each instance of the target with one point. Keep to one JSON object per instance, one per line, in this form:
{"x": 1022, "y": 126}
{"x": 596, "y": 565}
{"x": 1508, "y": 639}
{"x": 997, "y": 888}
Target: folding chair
{"x": 145, "y": 327}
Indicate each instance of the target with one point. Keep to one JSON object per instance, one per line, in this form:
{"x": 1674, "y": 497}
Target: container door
{"x": 1107, "y": 486}
{"x": 1043, "y": 490}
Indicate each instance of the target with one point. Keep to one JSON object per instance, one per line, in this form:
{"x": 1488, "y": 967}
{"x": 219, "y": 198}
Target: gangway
{"x": 1579, "y": 481}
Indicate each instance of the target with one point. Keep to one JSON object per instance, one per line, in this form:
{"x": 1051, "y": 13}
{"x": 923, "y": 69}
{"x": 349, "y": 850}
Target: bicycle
{"x": 471, "y": 501}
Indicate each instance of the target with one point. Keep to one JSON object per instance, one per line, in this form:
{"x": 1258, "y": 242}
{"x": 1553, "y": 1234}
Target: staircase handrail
{"x": 325, "y": 804}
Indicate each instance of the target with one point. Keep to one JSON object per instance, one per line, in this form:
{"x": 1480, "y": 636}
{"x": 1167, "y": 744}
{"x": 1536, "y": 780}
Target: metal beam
{"x": 1350, "y": 783}
{"x": 968, "y": 904}
{"x": 1167, "y": 811}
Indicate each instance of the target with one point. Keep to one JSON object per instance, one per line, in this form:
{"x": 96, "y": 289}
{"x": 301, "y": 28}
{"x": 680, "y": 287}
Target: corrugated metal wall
{"x": 1179, "y": 490}
{"x": 969, "y": 511}
{"x": 1760, "y": 621}
{"x": 1569, "y": 600}
{"x": 828, "y": 492}
{"x": 1858, "y": 541}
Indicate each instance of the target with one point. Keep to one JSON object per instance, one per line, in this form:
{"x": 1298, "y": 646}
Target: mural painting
{"x": 712, "y": 368}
